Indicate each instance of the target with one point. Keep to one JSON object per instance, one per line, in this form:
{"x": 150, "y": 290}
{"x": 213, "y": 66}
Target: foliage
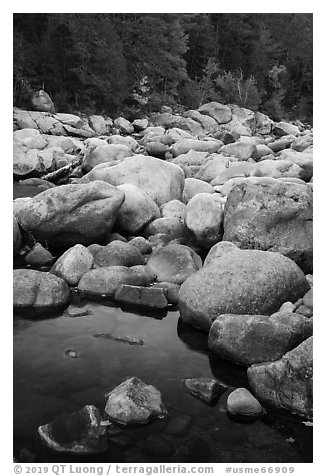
{"x": 114, "y": 63}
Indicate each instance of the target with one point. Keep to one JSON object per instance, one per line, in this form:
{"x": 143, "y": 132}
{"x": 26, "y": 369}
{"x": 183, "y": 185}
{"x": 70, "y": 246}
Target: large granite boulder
{"x": 162, "y": 180}
{"x": 71, "y": 214}
{"x": 137, "y": 210}
{"x": 240, "y": 282}
{"x": 118, "y": 253}
{"x": 271, "y": 215}
{"x": 174, "y": 263}
{"x": 286, "y": 383}
{"x": 205, "y": 218}
{"x": 248, "y": 339}
{"x": 37, "y": 289}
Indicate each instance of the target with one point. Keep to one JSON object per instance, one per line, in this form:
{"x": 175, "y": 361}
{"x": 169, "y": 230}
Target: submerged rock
{"x": 206, "y": 389}
{"x": 79, "y": 432}
{"x": 242, "y": 405}
{"x": 286, "y": 383}
{"x": 134, "y": 402}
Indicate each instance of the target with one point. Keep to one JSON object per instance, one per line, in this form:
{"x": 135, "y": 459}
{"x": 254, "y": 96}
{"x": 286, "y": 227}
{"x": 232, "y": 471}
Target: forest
{"x": 132, "y": 64}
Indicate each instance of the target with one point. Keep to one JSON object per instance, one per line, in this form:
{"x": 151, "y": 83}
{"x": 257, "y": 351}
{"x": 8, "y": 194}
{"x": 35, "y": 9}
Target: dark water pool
{"x": 48, "y": 383}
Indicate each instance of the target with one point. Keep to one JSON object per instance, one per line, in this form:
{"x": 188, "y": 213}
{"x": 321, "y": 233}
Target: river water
{"x": 60, "y": 365}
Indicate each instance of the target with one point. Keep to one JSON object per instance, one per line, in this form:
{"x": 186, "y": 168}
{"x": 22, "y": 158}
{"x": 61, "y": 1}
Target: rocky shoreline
{"x": 210, "y": 211}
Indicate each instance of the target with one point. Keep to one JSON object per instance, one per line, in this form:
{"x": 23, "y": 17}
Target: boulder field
{"x": 209, "y": 211}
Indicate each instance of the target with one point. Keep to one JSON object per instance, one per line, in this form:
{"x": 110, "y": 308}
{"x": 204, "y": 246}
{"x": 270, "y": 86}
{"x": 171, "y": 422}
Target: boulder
{"x": 106, "y": 281}
{"x": 282, "y": 143}
{"x": 37, "y": 289}
{"x": 242, "y": 150}
{"x": 123, "y": 140}
{"x": 243, "y": 406}
{"x": 124, "y": 126}
{"x": 73, "y": 264}
{"x": 209, "y": 125}
{"x": 248, "y": 339}
{"x": 236, "y": 128}
{"x": 245, "y": 116}
{"x": 79, "y": 433}
{"x": 100, "y": 125}
{"x": 174, "y": 263}
{"x": 140, "y": 124}
{"x": 263, "y": 124}
{"x": 142, "y": 244}
{"x": 274, "y": 216}
{"x": 162, "y": 180}
{"x": 284, "y": 128}
{"x": 206, "y": 389}
{"x": 118, "y": 253}
{"x": 39, "y": 256}
{"x": 109, "y": 153}
{"x": 26, "y": 162}
{"x": 286, "y": 383}
{"x": 235, "y": 169}
{"x": 171, "y": 290}
{"x": 137, "y": 210}
{"x": 212, "y": 168}
{"x": 71, "y": 214}
{"x": 17, "y": 239}
{"x": 185, "y": 145}
{"x": 173, "y": 227}
{"x": 240, "y": 282}
{"x": 191, "y": 162}
{"x": 221, "y": 113}
{"x": 277, "y": 169}
{"x": 304, "y": 160}
{"x": 262, "y": 151}
{"x": 302, "y": 143}
{"x": 141, "y": 296}
{"x": 205, "y": 218}
{"x": 41, "y": 101}
{"x": 194, "y": 186}
{"x": 134, "y": 402}
{"x": 175, "y": 209}
{"x": 219, "y": 250}
{"x": 156, "y": 149}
